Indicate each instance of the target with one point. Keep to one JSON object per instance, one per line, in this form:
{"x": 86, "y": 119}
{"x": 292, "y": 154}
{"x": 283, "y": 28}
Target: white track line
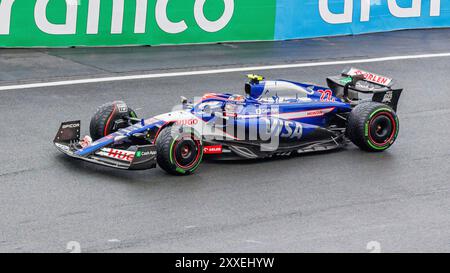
{"x": 219, "y": 71}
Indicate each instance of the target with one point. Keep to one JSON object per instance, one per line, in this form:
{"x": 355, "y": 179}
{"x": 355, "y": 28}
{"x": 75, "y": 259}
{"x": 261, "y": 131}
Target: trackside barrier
{"x": 56, "y": 23}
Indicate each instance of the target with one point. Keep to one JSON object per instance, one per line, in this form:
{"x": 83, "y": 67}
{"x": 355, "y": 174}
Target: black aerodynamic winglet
{"x": 68, "y": 132}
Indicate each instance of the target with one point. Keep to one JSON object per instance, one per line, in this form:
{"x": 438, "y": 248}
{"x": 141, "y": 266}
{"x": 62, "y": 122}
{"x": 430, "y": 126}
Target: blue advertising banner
{"x": 315, "y": 18}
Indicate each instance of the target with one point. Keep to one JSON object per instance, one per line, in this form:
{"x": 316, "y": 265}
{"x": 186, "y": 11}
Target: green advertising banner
{"x": 54, "y": 23}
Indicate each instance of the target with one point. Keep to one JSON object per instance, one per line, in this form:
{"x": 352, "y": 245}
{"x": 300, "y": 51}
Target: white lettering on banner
{"x": 334, "y": 18}
{"x": 435, "y": 8}
{"x": 117, "y": 17}
{"x": 5, "y": 16}
{"x": 213, "y": 26}
{"x": 93, "y": 16}
{"x": 140, "y": 20}
{"x": 401, "y": 12}
{"x": 365, "y": 10}
{"x": 163, "y": 21}
{"x": 40, "y": 16}
{"x": 209, "y": 26}
{"x": 413, "y": 11}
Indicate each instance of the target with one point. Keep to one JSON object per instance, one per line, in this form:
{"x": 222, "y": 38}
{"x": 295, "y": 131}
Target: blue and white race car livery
{"x": 272, "y": 118}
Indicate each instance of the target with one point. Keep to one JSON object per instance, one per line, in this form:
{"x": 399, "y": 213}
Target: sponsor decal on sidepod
{"x": 215, "y": 149}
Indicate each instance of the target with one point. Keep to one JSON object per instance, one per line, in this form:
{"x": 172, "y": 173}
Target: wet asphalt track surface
{"x": 330, "y": 202}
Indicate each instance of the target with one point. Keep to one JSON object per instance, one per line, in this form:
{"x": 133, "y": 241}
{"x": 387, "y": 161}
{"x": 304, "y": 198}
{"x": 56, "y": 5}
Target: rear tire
{"x": 179, "y": 151}
{"x": 373, "y": 126}
{"x": 104, "y": 120}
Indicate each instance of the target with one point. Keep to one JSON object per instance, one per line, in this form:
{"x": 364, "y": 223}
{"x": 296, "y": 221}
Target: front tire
{"x": 373, "y": 126}
{"x": 179, "y": 150}
{"x": 105, "y": 119}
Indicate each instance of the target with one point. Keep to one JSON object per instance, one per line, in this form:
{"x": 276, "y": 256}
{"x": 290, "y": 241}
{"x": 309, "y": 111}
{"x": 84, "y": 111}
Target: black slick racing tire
{"x": 103, "y": 121}
{"x": 373, "y": 126}
{"x": 179, "y": 150}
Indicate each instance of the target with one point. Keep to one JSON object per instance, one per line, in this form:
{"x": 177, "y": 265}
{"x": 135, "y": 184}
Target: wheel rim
{"x": 382, "y": 128}
{"x": 186, "y": 152}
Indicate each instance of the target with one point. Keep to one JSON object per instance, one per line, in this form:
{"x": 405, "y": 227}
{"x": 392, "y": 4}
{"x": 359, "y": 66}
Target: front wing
{"x": 135, "y": 158}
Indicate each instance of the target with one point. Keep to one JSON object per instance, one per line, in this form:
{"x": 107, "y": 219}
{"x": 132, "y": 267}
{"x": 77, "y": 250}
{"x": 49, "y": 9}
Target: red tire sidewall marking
{"x": 105, "y": 132}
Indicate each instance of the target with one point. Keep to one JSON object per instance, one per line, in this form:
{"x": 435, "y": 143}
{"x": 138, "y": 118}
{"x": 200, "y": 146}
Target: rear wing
{"x": 353, "y": 81}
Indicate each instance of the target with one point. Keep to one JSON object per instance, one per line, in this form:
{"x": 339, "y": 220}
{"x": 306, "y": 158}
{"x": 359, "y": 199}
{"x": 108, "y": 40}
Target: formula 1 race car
{"x": 273, "y": 118}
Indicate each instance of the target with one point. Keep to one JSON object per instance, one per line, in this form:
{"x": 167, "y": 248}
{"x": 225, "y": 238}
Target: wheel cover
{"x": 382, "y": 128}
{"x": 186, "y": 152}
